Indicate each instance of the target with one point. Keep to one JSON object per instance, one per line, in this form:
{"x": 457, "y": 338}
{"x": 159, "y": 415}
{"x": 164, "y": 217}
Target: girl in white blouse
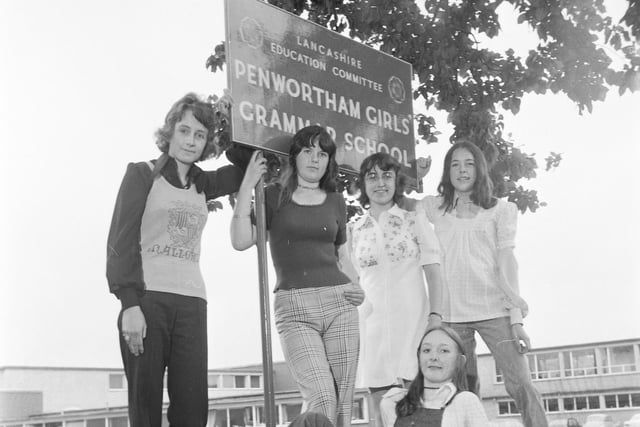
{"x": 438, "y": 395}
{"x": 392, "y": 250}
{"x": 480, "y": 273}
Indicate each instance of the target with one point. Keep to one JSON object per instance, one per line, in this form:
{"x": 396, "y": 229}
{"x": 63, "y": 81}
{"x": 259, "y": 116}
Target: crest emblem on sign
{"x": 251, "y": 32}
{"x": 396, "y": 89}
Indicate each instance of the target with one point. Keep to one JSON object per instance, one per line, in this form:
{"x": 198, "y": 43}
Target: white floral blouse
{"x": 388, "y": 255}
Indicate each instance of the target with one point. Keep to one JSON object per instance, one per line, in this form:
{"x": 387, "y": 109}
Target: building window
{"x": 241, "y": 416}
{"x": 96, "y": 422}
{"x": 213, "y": 381}
{"x": 116, "y": 382}
{"x": 507, "y": 407}
{"x": 581, "y": 403}
{"x": 544, "y": 365}
{"x": 618, "y": 359}
{"x": 255, "y": 381}
{"x": 610, "y": 401}
{"x": 580, "y": 363}
{"x": 54, "y": 424}
{"x": 551, "y": 405}
{"x": 228, "y": 381}
{"x": 499, "y": 377}
{"x": 569, "y": 404}
{"x": 240, "y": 381}
{"x": 622, "y": 400}
{"x": 547, "y": 365}
{"x": 357, "y": 411}
{"x": 219, "y": 418}
{"x": 118, "y": 422}
{"x": 260, "y": 418}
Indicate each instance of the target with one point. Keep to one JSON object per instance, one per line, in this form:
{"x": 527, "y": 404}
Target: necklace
{"x": 307, "y": 187}
{"x": 431, "y": 388}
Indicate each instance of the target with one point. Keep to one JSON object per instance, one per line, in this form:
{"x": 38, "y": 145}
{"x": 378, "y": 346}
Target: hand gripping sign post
{"x": 285, "y": 73}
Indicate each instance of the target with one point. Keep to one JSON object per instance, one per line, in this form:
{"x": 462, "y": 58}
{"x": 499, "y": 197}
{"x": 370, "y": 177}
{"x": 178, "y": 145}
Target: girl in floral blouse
{"x": 391, "y": 250}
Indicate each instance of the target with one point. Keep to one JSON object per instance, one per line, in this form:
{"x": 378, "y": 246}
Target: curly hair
{"x": 304, "y": 138}
{"x": 385, "y": 162}
{"x": 482, "y": 193}
{"x": 207, "y": 114}
{"x": 411, "y": 402}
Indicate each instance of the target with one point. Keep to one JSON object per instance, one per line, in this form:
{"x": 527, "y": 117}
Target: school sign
{"x": 286, "y": 73}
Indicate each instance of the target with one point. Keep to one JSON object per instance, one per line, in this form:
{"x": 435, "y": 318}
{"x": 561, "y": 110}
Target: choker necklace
{"x": 431, "y": 388}
{"x": 306, "y": 187}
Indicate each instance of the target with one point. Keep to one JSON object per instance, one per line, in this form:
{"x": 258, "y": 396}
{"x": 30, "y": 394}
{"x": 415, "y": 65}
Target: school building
{"x": 574, "y": 380}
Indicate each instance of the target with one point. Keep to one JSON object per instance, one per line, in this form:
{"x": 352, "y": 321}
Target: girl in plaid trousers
{"x": 315, "y": 303}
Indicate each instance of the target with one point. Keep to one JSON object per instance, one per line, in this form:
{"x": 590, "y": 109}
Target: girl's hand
{"x": 354, "y": 294}
{"x": 522, "y": 340}
{"x": 435, "y": 321}
{"x": 423, "y": 164}
{"x": 134, "y": 329}
{"x": 255, "y": 169}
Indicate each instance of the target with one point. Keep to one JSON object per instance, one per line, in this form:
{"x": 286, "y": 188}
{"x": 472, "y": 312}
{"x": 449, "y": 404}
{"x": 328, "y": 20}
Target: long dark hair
{"x": 411, "y": 402}
{"x": 482, "y": 193}
{"x": 304, "y": 138}
{"x": 385, "y": 162}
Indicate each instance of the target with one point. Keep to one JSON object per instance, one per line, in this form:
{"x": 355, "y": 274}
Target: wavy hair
{"x": 411, "y": 402}
{"x": 385, "y": 162}
{"x": 305, "y": 138}
{"x": 482, "y": 193}
{"x": 203, "y": 112}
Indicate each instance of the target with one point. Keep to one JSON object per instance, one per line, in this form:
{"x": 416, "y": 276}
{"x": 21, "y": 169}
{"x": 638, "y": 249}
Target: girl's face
{"x": 438, "y": 358}
{"x": 311, "y": 163}
{"x": 462, "y": 171}
{"x": 188, "y": 139}
{"x": 380, "y": 186}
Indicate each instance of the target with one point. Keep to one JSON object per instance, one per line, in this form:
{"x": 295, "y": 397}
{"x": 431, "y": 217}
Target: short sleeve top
{"x": 470, "y": 258}
{"x": 304, "y": 240}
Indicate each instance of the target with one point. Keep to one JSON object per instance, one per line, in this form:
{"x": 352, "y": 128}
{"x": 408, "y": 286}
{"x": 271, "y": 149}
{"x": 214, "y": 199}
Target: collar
{"x": 394, "y": 210}
{"x": 442, "y": 397}
{"x": 195, "y": 175}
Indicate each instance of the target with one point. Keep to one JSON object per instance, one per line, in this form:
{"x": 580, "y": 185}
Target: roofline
{"x": 258, "y": 366}
{"x": 572, "y": 346}
{"x": 56, "y": 368}
{"x": 253, "y": 368}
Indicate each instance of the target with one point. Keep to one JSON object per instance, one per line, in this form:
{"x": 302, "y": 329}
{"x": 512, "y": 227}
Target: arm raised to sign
{"x": 243, "y": 232}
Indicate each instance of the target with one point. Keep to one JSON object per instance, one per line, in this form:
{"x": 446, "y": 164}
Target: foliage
{"x": 578, "y": 43}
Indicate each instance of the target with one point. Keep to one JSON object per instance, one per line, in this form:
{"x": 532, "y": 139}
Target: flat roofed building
{"x": 575, "y": 381}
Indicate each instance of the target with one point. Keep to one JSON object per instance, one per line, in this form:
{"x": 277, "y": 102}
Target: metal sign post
{"x": 270, "y": 413}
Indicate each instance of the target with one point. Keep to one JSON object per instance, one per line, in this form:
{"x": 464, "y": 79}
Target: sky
{"x": 85, "y": 84}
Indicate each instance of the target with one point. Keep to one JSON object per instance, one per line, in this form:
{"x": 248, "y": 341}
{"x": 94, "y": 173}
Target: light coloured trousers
{"x": 319, "y": 334}
{"x": 496, "y": 333}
